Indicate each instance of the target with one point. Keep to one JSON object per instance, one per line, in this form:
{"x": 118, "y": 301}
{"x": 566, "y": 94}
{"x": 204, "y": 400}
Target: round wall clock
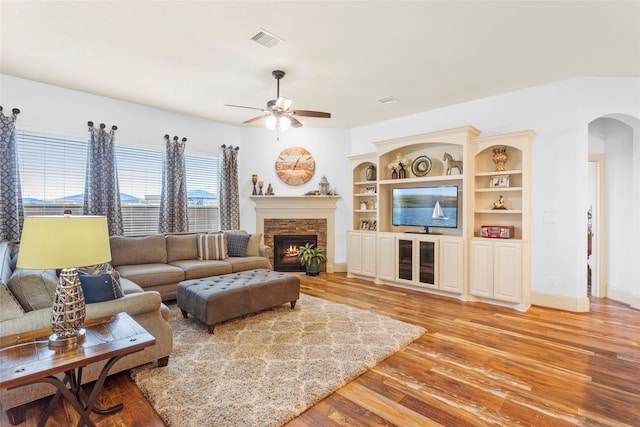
{"x": 295, "y": 166}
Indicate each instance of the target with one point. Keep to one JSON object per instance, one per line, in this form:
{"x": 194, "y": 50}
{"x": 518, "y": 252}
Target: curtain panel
{"x": 173, "y": 199}
{"x": 11, "y": 209}
{"x": 229, "y": 192}
{"x": 101, "y": 190}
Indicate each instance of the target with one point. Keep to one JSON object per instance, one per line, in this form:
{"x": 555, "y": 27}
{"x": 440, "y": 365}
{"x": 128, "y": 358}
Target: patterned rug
{"x": 265, "y": 369}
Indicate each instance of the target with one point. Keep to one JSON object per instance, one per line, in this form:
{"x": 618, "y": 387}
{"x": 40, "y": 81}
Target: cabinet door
{"x": 405, "y": 256}
{"x": 481, "y": 269}
{"x": 354, "y": 261}
{"x": 451, "y": 266}
{"x": 386, "y": 256}
{"x": 369, "y": 254}
{"x": 507, "y": 272}
{"x": 427, "y": 264}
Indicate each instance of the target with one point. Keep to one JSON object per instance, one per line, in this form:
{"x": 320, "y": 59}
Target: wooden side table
{"x": 26, "y": 359}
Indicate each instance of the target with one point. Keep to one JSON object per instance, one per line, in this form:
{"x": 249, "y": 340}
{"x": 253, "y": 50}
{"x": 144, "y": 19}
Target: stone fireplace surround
{"x": 298, "y": 215}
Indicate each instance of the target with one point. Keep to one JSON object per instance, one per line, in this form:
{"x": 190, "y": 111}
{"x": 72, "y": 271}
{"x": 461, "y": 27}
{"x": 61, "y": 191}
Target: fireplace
{"x": 285, "y": 250}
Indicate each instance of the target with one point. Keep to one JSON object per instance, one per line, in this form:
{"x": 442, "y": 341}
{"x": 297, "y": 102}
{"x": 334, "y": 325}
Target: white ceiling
{"x": 193, "y": 57}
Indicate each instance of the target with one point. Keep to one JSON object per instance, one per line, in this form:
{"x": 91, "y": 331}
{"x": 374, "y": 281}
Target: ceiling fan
{"x": 277, "y": 114}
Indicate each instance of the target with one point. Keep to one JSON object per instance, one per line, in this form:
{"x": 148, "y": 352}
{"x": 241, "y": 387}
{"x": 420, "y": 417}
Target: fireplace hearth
{"x": 285, "y": 251}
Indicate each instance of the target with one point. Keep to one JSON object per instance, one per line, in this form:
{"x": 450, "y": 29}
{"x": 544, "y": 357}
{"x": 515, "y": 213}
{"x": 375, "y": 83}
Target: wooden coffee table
{"x": 26, "y": 359}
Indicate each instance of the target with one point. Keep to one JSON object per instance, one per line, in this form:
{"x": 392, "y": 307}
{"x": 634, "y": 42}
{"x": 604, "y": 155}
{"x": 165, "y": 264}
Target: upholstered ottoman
{"x": 219, "y": 298}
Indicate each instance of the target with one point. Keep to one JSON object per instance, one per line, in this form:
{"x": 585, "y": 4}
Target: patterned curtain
{"x": 229, "y": 193}
{"x": 173, "y": 199}
{"x": 11, "y": 210}
{"x": 101, "y": 190}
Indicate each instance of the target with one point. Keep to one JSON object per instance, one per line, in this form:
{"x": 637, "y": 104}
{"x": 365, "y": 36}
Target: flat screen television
{"x": 425, "y": 207}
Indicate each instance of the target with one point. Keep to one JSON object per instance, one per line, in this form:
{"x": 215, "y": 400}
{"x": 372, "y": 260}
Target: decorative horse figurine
{"x": 452, "y": 163}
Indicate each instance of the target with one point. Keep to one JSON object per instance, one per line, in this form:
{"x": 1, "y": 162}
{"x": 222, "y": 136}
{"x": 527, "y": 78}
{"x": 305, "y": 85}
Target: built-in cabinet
{"x": 450, "y": 261}
{"x": 362, "y": 253}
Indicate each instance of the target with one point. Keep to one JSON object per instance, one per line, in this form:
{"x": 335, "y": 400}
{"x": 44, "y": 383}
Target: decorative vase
{"x": 500, "y": 158}
{"x": 402, "y": 173}
{"x": 370, "y": 173}
{"x": 394, "y": 174}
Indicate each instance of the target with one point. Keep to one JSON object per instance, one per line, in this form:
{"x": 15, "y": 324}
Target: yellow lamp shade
{"x": 63, "y": 242}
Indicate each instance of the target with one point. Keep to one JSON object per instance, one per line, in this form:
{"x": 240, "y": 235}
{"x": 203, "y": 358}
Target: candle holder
{"x": 254, "y": 179}
{"x": 260, "y": 184}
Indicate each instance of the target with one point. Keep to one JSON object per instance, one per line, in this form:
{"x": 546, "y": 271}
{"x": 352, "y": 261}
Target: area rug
{"x": 265, "y": 369}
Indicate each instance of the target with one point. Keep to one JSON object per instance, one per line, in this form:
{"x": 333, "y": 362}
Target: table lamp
{"x": 65, "y": 242}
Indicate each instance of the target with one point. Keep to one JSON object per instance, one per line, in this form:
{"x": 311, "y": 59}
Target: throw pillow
{"x": 106, "y": 268}
{"x": 253, "y": 247}
{"x": 212, "y": 246}
{"x": 237, "y": 244}
{"x": 98, "y": 287}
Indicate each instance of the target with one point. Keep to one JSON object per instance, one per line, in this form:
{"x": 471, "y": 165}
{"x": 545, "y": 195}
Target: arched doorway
{"x": 613, "y": 213}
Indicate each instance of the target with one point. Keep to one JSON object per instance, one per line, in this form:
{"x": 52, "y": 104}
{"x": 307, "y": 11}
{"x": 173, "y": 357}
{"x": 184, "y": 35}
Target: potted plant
{"x": 311, "y": 257}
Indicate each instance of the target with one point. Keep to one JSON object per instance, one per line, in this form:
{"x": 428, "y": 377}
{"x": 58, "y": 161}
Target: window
{"x": 52, "y": 172}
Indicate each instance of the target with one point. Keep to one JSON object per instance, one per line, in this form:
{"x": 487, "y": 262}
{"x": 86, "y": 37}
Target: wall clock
{"x": 295, "y": 166}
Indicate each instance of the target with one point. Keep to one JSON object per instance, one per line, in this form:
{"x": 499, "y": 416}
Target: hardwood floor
{"x": 477, "y": 364}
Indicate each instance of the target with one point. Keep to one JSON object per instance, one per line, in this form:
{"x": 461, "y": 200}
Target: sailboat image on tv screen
{"x": 438, "y": 214}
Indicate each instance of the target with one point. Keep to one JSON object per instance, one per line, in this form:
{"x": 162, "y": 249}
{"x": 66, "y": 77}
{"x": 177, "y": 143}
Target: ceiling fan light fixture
{"x": 271, "y": 122}
{"x": 285, "y": 122}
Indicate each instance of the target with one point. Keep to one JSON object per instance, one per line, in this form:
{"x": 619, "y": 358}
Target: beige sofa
{"x": 158, "y": 262}
{"x": 26, "y": 297}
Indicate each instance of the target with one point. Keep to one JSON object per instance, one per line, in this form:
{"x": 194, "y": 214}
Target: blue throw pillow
{"x": 97, "y": 287}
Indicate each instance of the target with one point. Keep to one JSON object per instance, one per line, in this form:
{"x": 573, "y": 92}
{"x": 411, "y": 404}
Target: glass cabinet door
{"x": 405, "y": 259}
{"x": 427, "y": 263}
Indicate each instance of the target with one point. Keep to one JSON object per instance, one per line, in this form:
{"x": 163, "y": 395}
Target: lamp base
{"x": 56, "y": 340}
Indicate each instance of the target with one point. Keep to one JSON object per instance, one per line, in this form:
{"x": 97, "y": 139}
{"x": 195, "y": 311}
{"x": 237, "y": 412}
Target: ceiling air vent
{"x": 388, "y": 100}
{"x": 266, "y": 38}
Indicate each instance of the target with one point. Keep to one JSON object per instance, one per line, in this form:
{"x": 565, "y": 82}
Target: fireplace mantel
{"x": 299, "y": 207}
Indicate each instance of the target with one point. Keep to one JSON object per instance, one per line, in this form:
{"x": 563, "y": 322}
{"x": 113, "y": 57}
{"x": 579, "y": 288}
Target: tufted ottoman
{"x": 218, "y": 298}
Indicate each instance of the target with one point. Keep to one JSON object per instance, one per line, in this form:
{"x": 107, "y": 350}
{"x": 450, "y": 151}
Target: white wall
{"x": 55, "y": 110}
{"x": 560, "y": 114}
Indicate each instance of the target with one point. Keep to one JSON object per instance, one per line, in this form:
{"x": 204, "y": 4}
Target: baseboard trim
{"x": 340, "y": 267}
{"x": 560, "y": 302}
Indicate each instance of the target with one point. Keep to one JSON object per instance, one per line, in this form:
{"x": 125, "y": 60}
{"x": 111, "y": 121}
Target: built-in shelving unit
{"x": 448, "y": 261}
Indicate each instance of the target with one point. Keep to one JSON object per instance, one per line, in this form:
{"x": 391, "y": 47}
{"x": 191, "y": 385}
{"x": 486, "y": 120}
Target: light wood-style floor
{"x": 477, "y": 364}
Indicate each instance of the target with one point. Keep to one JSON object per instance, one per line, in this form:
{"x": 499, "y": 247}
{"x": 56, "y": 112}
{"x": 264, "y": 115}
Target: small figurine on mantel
{"x": 269, "y": 190}
{"x": 499, "y": 204}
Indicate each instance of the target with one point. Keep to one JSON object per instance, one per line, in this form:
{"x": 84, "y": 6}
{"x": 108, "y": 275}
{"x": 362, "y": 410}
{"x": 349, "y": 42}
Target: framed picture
{"x": 499, "y": 181}
{"x": 364, "y": 224}
{"x": 370, "y": 189}
{"x": 374, "y": 225}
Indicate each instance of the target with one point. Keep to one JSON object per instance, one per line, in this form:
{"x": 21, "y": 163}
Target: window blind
{"x": 52, "y": 170}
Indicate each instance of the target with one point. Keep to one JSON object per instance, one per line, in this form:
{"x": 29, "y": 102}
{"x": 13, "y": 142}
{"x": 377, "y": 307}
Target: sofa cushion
{"x": 181, "y": 247}
{"x": 237, "y": 244}
{"x": 138, "y": 250}
{"x": 196, "y": 269}
{"x": 147, "y": 275}
{"x": 212, "y": 246}
{"x": 34, "y": 289}
{"x": 99, "y": 287}
{"x": 248, "y": 263}
{"x": 253, "y": 246}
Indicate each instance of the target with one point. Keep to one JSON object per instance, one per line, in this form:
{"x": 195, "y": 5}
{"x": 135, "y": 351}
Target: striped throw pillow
{"x": 212, "y": 246}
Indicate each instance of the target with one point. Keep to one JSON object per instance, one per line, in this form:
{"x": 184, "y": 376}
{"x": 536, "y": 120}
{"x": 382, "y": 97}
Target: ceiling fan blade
{"x": 309, "y": 113}
{"x": 255, "y": 119}
{"x": 242, "y": 106}
{"x": 295, "y": 123}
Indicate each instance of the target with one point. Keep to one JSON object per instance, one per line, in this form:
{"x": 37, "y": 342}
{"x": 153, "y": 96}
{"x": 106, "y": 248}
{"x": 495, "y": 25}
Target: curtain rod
{"x": 102, "y": 125}
{"x": 14, "y": 111}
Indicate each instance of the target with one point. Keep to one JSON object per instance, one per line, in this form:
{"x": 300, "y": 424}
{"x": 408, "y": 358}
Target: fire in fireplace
{"x": 285, "y": 250}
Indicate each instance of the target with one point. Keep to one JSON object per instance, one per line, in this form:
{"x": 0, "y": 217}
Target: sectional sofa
{"x": 159, "y": 262}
